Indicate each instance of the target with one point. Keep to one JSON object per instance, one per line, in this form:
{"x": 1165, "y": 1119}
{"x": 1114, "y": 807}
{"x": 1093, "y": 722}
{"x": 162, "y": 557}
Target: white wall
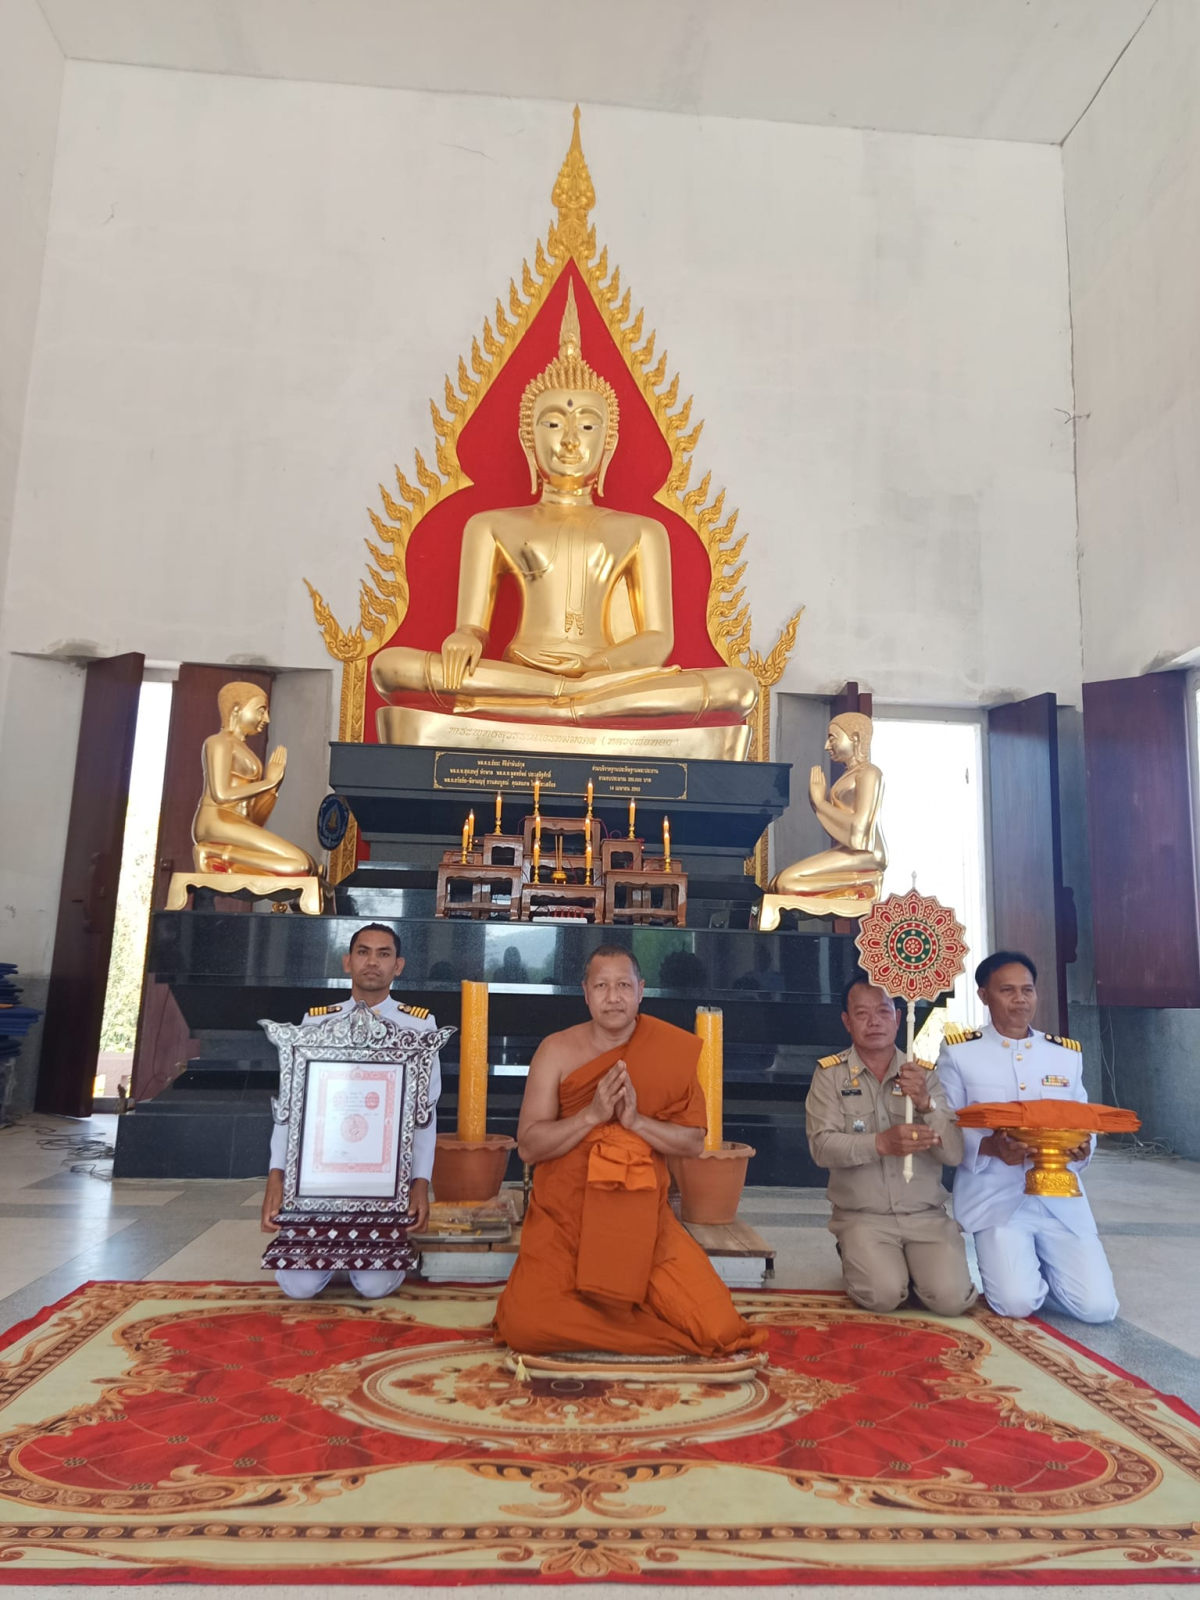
{"x": 252, "y": 288}
{"x": 39, "y": 702}
{"x": 1132, "y": 187}
{"x": 31, "y": 71}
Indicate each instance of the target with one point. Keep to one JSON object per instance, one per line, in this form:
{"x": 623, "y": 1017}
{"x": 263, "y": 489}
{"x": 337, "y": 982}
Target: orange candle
{"x": 466, "y": 831}
{"x": 667, "y": 843}
{"x": 710, "y": 1027}
{"x": 537, "y": 794}
{"x": 473, "y": 1064}
{"x": 471, "y": 829}
{"x": 587, "y": 860}
{"x": 589, "y": 797}
{"x": 499, "y": 809}
{"x": 632, "y": 815}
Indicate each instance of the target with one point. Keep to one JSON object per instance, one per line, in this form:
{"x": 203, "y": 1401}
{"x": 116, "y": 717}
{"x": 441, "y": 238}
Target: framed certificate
{"x": 353, "y": 1089}
{"x": 350, "y": 1130}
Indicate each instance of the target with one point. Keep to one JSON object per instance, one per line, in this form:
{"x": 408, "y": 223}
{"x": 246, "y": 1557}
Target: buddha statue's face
{"x": 253, "y": 716}
{"x": 840, "y": 745}
{"x": 569, "y": 430}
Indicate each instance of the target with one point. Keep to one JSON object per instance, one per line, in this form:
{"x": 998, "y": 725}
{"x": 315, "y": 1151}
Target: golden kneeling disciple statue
{"x": 846, "y": 880}
{"x": 596, "y": 623}
{"x": 234, "y": 854}
{"x": 228, "y": 830}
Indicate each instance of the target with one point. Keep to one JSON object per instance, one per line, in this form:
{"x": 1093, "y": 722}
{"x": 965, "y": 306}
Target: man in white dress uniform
{"x": 1027, "y": 1247}
{"x": 373, "y": 964}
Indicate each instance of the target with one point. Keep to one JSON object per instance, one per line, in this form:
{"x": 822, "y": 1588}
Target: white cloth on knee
{"x": 1034, "y": 1254}
{"x": 305, "y": 1285}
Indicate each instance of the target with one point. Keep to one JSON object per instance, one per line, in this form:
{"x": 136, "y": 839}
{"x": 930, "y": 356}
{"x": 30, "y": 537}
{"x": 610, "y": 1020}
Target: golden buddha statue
{"x": 596, "y": 623}
{"x": 228, "y": 831}
{"x": 846, "y": 880}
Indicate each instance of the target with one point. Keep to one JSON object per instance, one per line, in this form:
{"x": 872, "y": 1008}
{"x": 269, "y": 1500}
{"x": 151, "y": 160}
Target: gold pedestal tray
{"x": 314, "y": 890}
{"x": 853, "y": 903}
{"x": 1050, "y": 1178}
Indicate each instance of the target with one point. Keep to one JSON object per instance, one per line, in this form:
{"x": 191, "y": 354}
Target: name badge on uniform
{"x": 896, "y": 1089}
{"x": 1052, "y": 1080}
{"x": 858, "y": 1125}
{"x": 846, "y": 1092}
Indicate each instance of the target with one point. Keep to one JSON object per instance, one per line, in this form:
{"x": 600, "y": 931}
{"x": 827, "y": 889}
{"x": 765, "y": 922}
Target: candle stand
{"x": 579, "y": 877}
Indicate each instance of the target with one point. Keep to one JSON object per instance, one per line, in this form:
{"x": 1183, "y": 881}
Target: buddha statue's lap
{"x": 576, "y": 565}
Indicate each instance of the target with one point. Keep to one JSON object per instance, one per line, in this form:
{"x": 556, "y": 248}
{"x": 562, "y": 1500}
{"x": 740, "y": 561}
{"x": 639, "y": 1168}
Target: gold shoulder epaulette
{"x": 832, "y": 1061}
{"x": 1067, "y": 1044}
{"x": 322, "y": 1011}
{"x": 955, "y": 1034}
{"x": 413, "y": 1011}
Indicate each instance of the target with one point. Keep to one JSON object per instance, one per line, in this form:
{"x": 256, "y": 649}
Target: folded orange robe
{"x": 1064, "y": 1115}
{"x": 604, "y": 1264}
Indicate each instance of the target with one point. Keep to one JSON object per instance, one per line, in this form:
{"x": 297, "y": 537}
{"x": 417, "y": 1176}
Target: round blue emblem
{"x": 333, "y": 818}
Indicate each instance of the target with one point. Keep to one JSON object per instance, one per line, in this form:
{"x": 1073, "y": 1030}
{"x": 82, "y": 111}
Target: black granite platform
{"x": 780, "y": 995}
{"x": 780, "y": 992}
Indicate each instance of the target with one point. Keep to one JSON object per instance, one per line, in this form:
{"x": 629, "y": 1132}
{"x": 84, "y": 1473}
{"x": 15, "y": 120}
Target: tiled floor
{"x": 61, "y": 1228}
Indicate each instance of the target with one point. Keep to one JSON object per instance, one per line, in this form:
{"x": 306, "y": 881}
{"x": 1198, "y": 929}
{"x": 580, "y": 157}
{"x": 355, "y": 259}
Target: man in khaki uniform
{"x": 888, "y": 1231}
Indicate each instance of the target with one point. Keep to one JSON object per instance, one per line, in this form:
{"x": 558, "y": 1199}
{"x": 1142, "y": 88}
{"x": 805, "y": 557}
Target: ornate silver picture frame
{"x": 352, "y": 1090}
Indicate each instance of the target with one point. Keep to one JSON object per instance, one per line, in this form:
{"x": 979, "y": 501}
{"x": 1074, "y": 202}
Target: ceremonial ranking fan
{"x": 912, "y": 948}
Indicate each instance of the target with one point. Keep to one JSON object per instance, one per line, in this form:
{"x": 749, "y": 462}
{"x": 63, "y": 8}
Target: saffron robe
{"x": 603, "y": 1263}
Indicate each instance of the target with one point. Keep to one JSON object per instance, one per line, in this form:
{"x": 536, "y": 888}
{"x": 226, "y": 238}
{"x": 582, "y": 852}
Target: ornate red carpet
{"x": 206, "y": 1432}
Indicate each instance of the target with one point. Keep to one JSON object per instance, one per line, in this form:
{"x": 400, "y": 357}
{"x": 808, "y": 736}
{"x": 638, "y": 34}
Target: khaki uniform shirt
{"x": 846, "y": 1108}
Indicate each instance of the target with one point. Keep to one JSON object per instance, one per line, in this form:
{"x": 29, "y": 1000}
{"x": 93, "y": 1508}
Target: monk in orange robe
{"x": 604, "y": 1265}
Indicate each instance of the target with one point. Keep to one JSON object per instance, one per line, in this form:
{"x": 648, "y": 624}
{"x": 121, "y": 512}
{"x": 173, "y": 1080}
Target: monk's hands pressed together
{"x": 906, "y": 1139}
{"x": 627, "y": 1107}
{"x": 608, "y": 1094}
{"x": 272, "y": 1201}
{"x": 914, "y": 1082}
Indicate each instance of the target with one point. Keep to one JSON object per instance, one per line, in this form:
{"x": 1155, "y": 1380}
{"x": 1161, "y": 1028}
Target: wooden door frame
{"x": 70, "y": 1044}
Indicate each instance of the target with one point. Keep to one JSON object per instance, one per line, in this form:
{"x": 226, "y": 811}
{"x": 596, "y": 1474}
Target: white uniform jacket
{"x": 986, "y": 1067}
{"x": 424, "y": 1139}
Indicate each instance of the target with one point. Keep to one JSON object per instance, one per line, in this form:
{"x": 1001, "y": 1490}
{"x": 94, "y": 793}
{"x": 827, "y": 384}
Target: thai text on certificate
{"x": 351, "y": 1130}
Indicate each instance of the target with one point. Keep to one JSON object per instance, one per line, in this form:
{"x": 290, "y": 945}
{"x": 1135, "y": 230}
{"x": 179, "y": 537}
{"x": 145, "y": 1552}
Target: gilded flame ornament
{"x": 636, "y": 677}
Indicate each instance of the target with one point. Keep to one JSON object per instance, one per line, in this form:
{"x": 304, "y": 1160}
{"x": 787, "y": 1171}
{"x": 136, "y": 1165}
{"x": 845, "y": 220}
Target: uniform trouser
{"x": 1034, "y": 1254}
{"x": 304, "y": 1285}
{"x": 882, "y": 1253}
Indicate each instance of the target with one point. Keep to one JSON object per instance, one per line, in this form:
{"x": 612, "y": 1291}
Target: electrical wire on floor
{"x": 89, "y": 1150}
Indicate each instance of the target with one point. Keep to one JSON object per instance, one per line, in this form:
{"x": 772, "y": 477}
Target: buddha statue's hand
{"x": 567, "y": 663}
{"x": 817, "y": 788}
{"x": 461, "y": 654}
{"x": 277, "y": 765}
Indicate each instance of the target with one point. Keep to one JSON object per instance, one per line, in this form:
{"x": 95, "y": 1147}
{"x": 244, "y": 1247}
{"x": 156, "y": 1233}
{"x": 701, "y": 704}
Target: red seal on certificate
{"x": 355, "y": 1128}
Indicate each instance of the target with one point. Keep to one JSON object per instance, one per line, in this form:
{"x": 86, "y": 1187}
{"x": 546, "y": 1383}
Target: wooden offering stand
{"x": 486, "y": 886}
{"x": 580, "y": 877}
{"x": 569, "y": 890}
{"x": 640, "y": 892}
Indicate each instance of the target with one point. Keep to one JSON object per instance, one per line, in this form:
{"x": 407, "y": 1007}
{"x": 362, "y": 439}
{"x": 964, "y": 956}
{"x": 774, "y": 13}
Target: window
{"x": 933, "y": 822}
